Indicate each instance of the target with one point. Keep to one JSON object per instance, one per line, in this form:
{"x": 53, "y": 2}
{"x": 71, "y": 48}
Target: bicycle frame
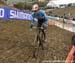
{"x": 39, "y": 38}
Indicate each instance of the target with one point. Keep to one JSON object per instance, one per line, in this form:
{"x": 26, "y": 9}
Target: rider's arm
{"x": 45, "y": 16}
{"x": 46, "y": 20}
{"x": 32, "y": 21}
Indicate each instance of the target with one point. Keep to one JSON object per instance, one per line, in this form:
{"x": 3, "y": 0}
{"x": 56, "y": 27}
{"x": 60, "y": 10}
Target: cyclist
{"x": 40, "y": 17}
{"x": 71, "y": 55}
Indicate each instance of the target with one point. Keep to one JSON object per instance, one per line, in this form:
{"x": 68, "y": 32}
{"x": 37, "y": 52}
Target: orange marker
{"x": 70, "y": 56}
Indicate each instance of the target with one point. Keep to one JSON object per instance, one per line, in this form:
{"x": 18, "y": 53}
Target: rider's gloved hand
{"x": 31, "y": 26}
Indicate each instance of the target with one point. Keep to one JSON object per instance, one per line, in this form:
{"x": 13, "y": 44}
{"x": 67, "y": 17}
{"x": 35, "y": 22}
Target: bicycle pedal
{"x": 43, "y": 49}
{"x": 45, "y": 41}
{"x": 40, "y": 44}
{"x": 34, "y": 57}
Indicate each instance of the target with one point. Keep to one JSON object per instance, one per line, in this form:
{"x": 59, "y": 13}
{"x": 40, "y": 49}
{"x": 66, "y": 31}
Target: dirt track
{"x": 16, "y": 43}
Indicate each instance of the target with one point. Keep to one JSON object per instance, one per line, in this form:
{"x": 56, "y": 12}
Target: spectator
{"x": 70, "y": 57}
{"x": 73, "y": 19}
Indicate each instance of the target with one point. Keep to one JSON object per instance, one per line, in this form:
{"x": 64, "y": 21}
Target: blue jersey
{"x": 39, "y": 14}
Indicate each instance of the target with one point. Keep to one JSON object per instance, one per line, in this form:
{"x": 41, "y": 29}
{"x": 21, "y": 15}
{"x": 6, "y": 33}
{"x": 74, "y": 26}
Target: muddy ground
{"x": 16, "y": 44}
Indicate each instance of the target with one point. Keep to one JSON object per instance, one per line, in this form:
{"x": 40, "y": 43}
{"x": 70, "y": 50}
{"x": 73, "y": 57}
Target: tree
{"x": 19, "y": 5}
{"x": 28, "y": 5}
{"x": 41, "y": 4}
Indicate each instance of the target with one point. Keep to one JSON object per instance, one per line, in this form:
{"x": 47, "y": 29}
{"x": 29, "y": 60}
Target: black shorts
{"x": 40, "y": 25}
{"x": 40, "y": 22}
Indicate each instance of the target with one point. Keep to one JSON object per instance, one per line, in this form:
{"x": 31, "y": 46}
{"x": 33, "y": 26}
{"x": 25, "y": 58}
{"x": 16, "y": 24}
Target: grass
{"x": 2, "y": 4}
{"x": 61, "y": 12}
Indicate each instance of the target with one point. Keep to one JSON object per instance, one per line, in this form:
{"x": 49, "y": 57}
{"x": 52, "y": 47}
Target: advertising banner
{"x": 7, "y": 13}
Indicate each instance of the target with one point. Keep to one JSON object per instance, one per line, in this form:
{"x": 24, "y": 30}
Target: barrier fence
{"x": 8, "y": 13}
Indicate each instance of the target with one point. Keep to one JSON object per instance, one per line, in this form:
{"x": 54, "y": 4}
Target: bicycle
{"x": 39, "y": 40}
